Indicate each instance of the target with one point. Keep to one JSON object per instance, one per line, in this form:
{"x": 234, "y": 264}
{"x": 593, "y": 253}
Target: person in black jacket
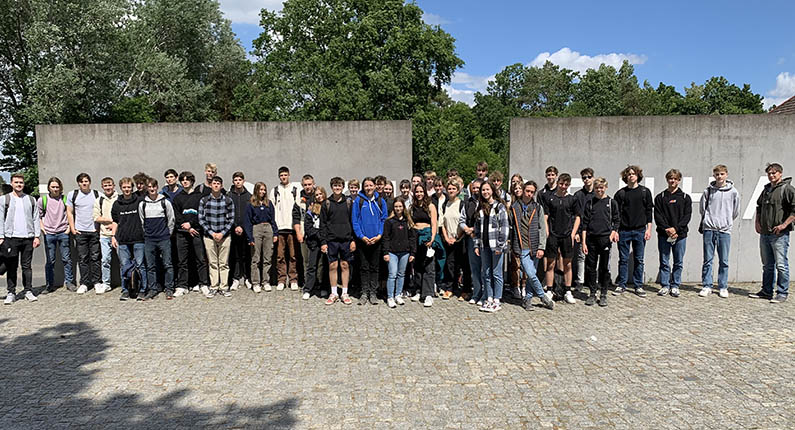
{"x": 336, "y": 239}
{"x": 672, "y": 211}
{"x": 399, "y": 247}
{"x": 472, "y": 283}
{"x": 635, "y": 205}
{"x": 311, "y": 238}
{"x": 189, "y": 235}
{"x": 128, "y": 234}
{"x": 599, "y": 232}
{"x": 239, "y": 256}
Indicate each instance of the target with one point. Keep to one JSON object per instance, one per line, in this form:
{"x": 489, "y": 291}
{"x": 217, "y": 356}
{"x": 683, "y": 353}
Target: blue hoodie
{"x": 368, "y": 215}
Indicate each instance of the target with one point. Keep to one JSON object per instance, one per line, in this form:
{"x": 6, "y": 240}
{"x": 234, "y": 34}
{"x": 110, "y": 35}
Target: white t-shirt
{"x": 20, "y": 223}
{"x": 84, "y": 210}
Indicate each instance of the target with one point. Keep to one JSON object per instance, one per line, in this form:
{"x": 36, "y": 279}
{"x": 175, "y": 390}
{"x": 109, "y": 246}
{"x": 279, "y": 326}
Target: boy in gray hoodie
{"x": 719, "y": 207}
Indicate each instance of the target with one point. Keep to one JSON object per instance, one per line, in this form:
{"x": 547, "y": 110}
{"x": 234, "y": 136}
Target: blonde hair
{"x": 255, "y": 201}
{"x": 315, "y": 207}
{"x": 211, "y": 166}
{"x": 600, "y": 181}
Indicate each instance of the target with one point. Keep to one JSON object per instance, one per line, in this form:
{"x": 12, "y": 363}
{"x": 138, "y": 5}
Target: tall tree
{"x": 346, "y": 60}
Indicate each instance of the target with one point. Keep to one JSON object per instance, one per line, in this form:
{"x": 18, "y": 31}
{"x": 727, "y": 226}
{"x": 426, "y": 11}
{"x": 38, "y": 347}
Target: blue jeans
{"x": 722, "y": 241}
{"x": 397, "y": 273}
{"x": 474, "y": 266}
{"x": 151, "y": 249}
{"x": 534, "y": 286}
{"x": 775, "y": 265}
{"x": 625, "y": 239}
{"x": 51, "y": 242}
{"x": 107, "y": 252}
{"x": 669, "y": 278}
{"x": 126, "y": 253}
{"x": 491, "y": 268}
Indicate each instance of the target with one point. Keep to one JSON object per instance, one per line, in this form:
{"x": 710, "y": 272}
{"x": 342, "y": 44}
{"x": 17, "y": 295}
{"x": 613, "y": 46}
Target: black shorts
{"x": 560, "y": 244}
{"x": 339, "y": 251}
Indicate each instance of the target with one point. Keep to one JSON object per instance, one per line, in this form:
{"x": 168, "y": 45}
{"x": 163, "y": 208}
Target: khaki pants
{"x": 263, "y": 249}
{"x": 218, "y": 261}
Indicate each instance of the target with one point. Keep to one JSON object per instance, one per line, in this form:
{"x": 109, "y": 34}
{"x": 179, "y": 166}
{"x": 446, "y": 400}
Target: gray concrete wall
{"x": 692, "y": 144}
{"x": 324, "y": 149}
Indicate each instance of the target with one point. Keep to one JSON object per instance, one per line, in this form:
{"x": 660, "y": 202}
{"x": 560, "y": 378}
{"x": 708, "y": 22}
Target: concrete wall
{"x": 692, "y": 144}
{"x": 324, "y": 149}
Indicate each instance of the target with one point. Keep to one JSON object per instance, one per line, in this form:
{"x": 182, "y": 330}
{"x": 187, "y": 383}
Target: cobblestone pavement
{"x": 274, "y": 361}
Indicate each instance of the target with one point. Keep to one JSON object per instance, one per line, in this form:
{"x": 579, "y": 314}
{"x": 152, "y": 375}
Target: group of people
{"x": 438, "y": 237}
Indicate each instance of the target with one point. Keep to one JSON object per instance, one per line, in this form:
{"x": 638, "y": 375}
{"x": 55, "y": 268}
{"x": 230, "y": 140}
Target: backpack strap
{"x": 101, "y": 202}
{"x": 7, "y": 198}
{"x": 43, "y": 205}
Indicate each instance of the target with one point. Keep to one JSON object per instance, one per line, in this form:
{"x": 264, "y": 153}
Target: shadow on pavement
{"x": 45, "y": 384}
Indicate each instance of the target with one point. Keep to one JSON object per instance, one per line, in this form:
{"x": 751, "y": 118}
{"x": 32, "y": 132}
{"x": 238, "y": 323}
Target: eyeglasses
{"x": 586, "y": 177}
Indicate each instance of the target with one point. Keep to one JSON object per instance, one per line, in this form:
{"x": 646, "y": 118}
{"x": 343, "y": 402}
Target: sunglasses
{"x": 586, "y": 177}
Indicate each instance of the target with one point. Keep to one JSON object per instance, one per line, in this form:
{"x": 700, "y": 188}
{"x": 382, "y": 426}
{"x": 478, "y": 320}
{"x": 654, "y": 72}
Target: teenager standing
{"x": 157, "y": 219}
{"x": 601, "y": 221}
{"x": 284, "y": 196}
{"x": 491, "y": 242}
{"x": 400, "y": 246}
{"x": 80, "y": 213}
{"x": 262, "y": 232}
{"x": 55, "y": 227}
{"x": 635, "y": 204}
{"x": 672, "y": 211}
{"x": 239, "y": 257}
{"x": 102, "y": 216}
{"x": 217, "y": 216}
{"x": 128, "y": 235}
{"x": 190, "y": 246}
{"x": 21, "y": 231}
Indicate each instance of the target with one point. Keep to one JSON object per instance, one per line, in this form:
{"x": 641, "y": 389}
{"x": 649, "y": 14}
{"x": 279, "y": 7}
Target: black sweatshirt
{"x": 241, "y": 201}
{"x": 673, "y": 210}
{"x": 335, "y": 221}
{"x": 125, "y": 213}
{"x": 635, "y": 206}
{"x": 600, "y": 216}
{"x": 399, "y": 237}
{"x": 311, "y": 229}
{"x": 186, "y": 209}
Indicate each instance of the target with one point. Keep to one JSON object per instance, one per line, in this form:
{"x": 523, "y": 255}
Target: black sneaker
{"x": 548, "y": 303}
{"x": 640, "y": 292}
{"x": 527, "y": 305}
{"x": 125, "y": 295}
{"x": 363, "y": 299}
{"x": 169, "y": 294}
{"x": 373, "y": 300}
{"x": 591, "y": 300}
{"x": 761, "y": 294}
{"x": 71, "y": 287}
{"x": 151, "y": 294}
{"x": 603, "y": 299}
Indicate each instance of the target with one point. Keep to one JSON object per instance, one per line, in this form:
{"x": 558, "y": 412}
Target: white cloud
{"x": 472, "y": 82}
{"x": 466, "y": 96}
{"x": 573, "y": 60}
{"x": 247, "y": 11}
{"x": 433, "y": 19}
{"x": 785, "y": 88}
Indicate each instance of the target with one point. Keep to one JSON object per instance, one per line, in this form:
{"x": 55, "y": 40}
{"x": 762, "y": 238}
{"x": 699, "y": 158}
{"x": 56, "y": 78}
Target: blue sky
{"x": 675, "y": 42}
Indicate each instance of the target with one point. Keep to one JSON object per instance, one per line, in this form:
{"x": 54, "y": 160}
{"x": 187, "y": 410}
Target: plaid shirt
{"x": 497, "y": 230}
{"x": 216, "y": 215}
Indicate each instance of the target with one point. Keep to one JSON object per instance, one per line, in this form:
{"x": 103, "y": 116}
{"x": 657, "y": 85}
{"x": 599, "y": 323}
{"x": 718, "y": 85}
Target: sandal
{"x": 331, "y": 299}
{"x": 346, "y": 299}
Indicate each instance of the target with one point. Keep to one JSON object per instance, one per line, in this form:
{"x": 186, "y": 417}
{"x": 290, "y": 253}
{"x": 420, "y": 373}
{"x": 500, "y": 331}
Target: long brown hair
{"x": 425, "y": 203}
{"x": 495, "y": 193}
{"x": 315, "y": 207}
{"x": 406, "y": 213}
{"x": 255, "y": 201}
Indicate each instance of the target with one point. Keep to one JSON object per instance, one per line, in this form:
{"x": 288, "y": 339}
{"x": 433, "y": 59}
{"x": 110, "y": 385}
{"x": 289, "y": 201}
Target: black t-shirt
{"x": 562, "y": 212}
{"x": 544, "y": 194}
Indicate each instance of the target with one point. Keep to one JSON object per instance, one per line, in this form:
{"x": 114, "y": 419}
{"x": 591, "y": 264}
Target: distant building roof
{"x": 788, "y": 107}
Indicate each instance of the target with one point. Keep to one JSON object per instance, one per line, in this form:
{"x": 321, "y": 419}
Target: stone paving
{"x": 271, "y": 360}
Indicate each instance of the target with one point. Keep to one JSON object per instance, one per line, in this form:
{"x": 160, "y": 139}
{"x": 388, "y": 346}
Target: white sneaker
{"x": 305, "y": 296}
{"x": 82, "y": 289}
{"x": 196, "y": 288}
{"x": 569, "y": 298}
{"x": 267, "y": 287}
{"x": 391, "y": 303}
{"x": 235, "y": 284}
{"x": 705, "y": 292}
{"x": 428, "y": 302}
{"x": 257, "y": 288}
{"x": 294, "y": 286}
{"x": 102, "y": 288}
{"x": 180, "y": 292}
{"x": 479, "y": 303}
{"x": 248, "y": 283}
{"x": 399, "y": 300}
{"x": 550, "y": 295}
{"x": 415, "y": 298}
{"x": 472, "y": 301}
{"x": 280, "y": 286}
{"x": 495, "y": 306}
{"x": 723, "y": 293}
{"x": 29, "y": 296}
{"x": 10, "y": 298}
{"x": 206, "y": 291}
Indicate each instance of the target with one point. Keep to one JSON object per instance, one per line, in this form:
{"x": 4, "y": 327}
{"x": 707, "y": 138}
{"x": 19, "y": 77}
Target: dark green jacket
{"x": 775, "y": 204}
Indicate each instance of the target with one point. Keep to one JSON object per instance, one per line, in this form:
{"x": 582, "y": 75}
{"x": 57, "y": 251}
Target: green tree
{"x": 346, "y": 60}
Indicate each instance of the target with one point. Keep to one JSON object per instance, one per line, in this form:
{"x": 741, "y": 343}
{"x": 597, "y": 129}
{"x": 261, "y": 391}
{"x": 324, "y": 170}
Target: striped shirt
{"x": 216, "y": 215}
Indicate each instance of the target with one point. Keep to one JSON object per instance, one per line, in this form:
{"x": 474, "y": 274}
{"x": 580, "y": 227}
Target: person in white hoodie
{"x": 719, "y": 207}
{"x": 284, "y": 196}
